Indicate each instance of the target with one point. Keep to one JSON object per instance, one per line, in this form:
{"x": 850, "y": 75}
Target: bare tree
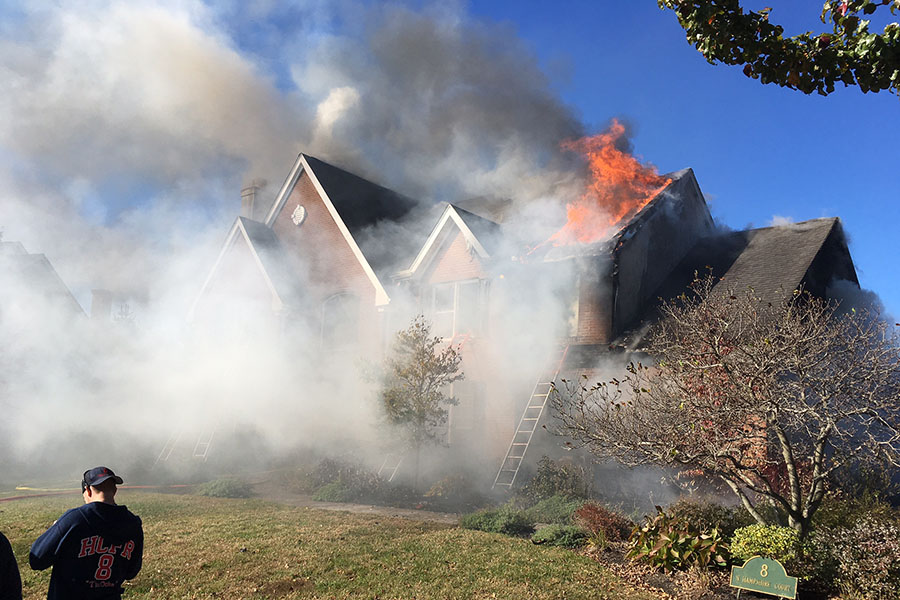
{"x": 418, "y": 370}
{"x": 770, "y": 398}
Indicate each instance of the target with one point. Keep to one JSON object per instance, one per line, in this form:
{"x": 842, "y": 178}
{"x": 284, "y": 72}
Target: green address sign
{"x": 764, "y": 575}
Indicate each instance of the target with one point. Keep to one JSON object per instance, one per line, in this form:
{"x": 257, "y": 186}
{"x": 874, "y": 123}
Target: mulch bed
{"x": 680, "y": 585}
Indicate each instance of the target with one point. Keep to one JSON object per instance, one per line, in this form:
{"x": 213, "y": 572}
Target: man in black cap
{"x": 92, "y": 548}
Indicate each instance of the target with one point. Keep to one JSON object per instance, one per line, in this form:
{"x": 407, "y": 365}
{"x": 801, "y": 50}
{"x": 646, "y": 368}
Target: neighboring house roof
{"x": 277, "y": 265}
{"x": 770, "y": 261}
{"x": 269, "y": 256}
{"x": 479, "y": 233}
{"x": 35, "y": 277}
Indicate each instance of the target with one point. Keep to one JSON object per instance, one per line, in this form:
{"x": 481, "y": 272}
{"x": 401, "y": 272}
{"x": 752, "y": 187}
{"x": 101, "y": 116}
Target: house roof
{"x": 768, "y": 260}
{"x": 371, "y": 213}
{"x": 625, "y": 228}
{"x": 373, "y": 219}
{"x": 771, "y": 261}
{"x": 490, "y": 208}
{"x": 35, "y": 276}
{"x": 484, "y": 230}
{"x": 480, "y": 234}
{"x": 276, "y": 266}
{"x": 274, "y": 261}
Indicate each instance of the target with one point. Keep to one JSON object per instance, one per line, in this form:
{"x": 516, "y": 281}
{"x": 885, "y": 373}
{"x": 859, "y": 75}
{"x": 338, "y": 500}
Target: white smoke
{"x": 127, "y": 130}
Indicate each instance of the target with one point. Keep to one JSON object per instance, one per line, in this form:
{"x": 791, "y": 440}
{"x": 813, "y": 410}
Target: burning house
{"x": 351, "y": 261}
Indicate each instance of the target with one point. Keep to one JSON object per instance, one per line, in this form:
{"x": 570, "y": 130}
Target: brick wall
{"x": 332, "y": 266}
{"x": 456, "y": 263}
{"x": 594, "y": 306}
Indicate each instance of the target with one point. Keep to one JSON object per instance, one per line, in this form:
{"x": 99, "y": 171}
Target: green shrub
{"x": 705, "y": 516}
{"x": 567, "y": 536}
{"x": 225, "y": 488}
{"x": 556, "y": 479}
{"x": 336, "y": 491}
{"x": 868, "y": 559}
{"x": 555, "y": 509}
{"x": 341, "y": 481}
{"x": 602, "y": 524}
{"x": 840, "y": 510}
{"x": 768, "y": 541}
{"x": 501, "y": 520}
{"x": 667, "y": 543}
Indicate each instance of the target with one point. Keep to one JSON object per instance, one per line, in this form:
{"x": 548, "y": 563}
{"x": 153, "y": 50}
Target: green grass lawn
{"x": 216, "y": 548}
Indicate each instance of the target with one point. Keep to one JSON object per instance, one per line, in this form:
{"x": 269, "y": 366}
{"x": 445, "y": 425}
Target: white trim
{"x": 431, "y": 244}
{"x": 277, "y": 305}
{"x": 301, "y": 165}
{"x": 286, "y": 188}
{"x": 381, "y": 296}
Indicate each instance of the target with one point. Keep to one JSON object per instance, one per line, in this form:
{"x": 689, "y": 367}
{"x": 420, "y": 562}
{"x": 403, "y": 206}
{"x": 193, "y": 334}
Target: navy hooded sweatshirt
{"x": 92, "y": 549}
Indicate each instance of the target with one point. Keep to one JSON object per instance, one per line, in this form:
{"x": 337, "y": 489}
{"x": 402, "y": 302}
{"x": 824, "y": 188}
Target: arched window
{"x": 340, "y": 320}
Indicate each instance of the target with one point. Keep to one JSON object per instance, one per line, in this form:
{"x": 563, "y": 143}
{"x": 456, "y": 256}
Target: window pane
{"x": 443, "y": 297}
{"x": 468, "y": 311}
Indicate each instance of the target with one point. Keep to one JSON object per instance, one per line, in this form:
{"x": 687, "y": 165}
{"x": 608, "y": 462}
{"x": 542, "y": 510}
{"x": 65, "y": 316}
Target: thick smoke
{"x": 127, "y": 131}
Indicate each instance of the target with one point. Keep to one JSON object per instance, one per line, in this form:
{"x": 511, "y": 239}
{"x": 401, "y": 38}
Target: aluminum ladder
{"x": 531, "y": 416}
{"x": 390, "y": 465}
{"x": 204, "y": 441}
{"x": 167, "y": 449}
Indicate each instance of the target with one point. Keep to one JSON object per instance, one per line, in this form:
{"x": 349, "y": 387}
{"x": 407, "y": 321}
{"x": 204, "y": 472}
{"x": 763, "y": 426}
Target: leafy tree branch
{"x": 810, "y": 62}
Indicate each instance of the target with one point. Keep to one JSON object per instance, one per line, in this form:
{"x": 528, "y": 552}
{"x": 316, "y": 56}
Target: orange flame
{"x": 620, "y": 186}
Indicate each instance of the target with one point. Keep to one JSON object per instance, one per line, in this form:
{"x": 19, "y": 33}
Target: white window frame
{"x": 483, "y": 295}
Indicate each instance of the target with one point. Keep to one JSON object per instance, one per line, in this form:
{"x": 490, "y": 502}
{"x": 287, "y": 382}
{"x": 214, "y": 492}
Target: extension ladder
{"x": 169, "y": 446}
{"x": 204, "y": 441}
{"x": 390, "y": 465}
{"x": 531, "y": 416}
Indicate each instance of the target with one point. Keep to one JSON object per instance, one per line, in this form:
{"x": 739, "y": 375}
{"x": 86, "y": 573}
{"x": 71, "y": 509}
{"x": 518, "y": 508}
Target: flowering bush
{"x": 868, "y": 559}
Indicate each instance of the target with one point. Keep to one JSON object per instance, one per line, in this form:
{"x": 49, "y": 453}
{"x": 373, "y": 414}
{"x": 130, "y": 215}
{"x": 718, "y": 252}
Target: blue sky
{"x": 758, "y": 151}
{"x": 127, "y": 125}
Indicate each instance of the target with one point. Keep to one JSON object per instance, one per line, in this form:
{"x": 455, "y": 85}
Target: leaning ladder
{"x": 531, "y": 416}
{"x": 166, "y": 452}
{"x": 390, "y": 465}
{"x": 204, "y": 441}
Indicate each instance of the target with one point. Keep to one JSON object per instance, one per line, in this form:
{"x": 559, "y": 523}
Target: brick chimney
{"x": 251, "y": 200}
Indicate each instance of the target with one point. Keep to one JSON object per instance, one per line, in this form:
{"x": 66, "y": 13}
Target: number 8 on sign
{"x": 764, "y": 571}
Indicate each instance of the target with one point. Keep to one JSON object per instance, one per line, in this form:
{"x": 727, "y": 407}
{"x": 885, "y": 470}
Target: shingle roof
{"x": 771, "y": 261}
{"x": 768, "y": 260}
{"x": 365, "y": 208}
{"x": 35, "y": 276}
{"x": 485, "y": 230}
{"x": 277, "y": 263}
{"x": 676, "y": 189}
{"x": 776, "y": 259}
